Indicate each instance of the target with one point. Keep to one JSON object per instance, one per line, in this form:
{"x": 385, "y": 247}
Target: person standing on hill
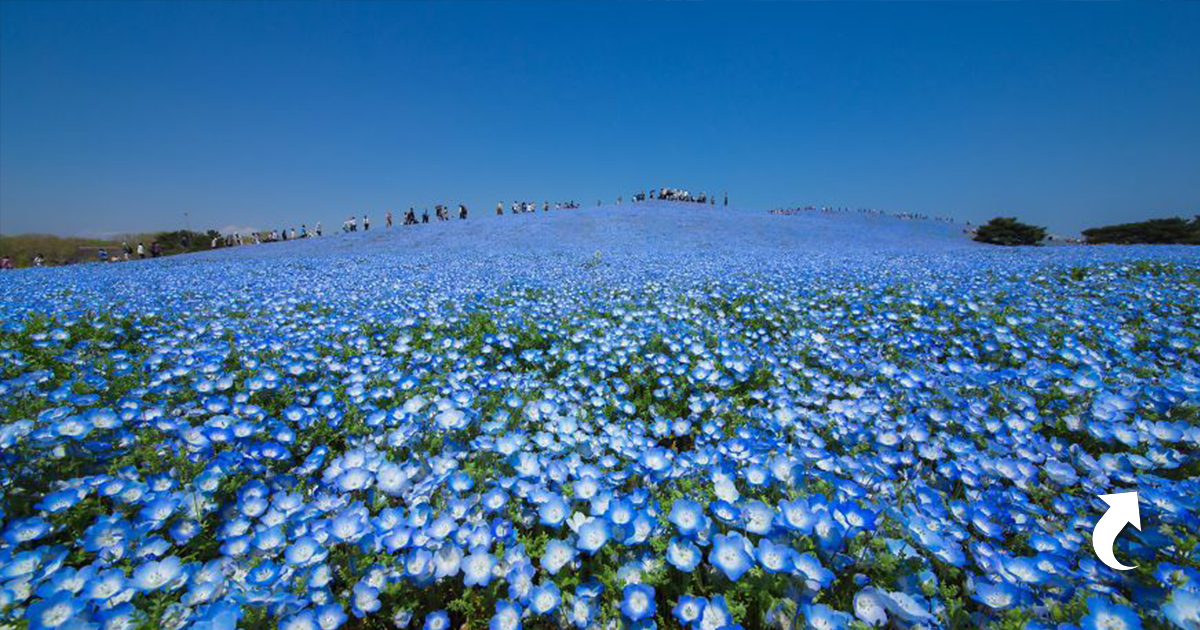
{"x": 388, "y": 219}
{"x": 425, "y": 216}
{"x": 141, "y": 251}
{"x": 366, "y": 223}
{"x": 126, "y": 250}
{"x": 318, "y": 228}
{"x": 462, "y": 211}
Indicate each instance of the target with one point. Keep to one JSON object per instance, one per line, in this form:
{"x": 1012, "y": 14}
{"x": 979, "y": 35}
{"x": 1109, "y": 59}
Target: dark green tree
{"x": 1009, "y": 231}
{"x": 1174, "y": 230}
{"x": 182, "y": 241}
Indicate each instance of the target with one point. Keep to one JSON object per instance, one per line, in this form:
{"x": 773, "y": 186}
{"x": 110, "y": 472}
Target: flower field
{"x": 576, "y": 426}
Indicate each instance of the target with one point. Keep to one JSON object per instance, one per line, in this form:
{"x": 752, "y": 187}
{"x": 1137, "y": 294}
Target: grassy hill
{"x": 59, "y": 250}
{"x": 56, "y": 249}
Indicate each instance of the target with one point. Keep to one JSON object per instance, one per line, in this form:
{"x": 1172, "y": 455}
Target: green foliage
{"x": 184, "y": 241}
{"x": 61, "y": 250}
{"x": 56, "y": 249}
{"x": 1174, "y": 230}
{"x": 1009, "y": 231}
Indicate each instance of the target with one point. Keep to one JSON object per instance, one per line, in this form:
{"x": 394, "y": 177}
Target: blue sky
{"x": 121, "y": 117}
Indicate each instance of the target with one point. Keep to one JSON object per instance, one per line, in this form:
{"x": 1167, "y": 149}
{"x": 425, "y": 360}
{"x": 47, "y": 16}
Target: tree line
{"x": 62, "y": 250}
{"x": 1170, "y": 231}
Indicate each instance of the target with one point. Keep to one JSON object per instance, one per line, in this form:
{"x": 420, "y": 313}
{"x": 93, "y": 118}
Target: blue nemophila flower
{"x": 264, "y": 575}
{"x": 419, "y": 565}
{"x": 447, "y": 561}
{"x": 350, "y": 525}
{"x": 725, "y": 512}
{"x": 688, "y": 517}
{"x": 592, "y": 535}
{"x": 822, "y": 617}
{"x": 808, "y": 566}
{"x": 506, "y": 617}
{"x": 557, "y": 554}
{"x": 303, "y": 620}
{"x": 908, "y": 607}
{"x": 156, "y": 574}
{"x": 683, "y": 555}
{"x": 637, "y": 602}
{"x": 759, "y": 518}
{"x": 520, "y": 579}
{"x": 477, "y": 568}
{"x": 774, "y": 558}
{"x": 1024, "y": 570}
{"x": 104, "y": 585}
{"x": 996, "y": 596}
{"x": 731, "y": 554}
{"x": 62, "y": 500}
{"x": 553, "y": 512}
{"x": 1183, "y": 608}
{"x": 1103, "y": 615}
{"x": 57, "y": 611}
{"x": 870, "y": 606}
{"x": 26, "y": 530}
{"x": 365, "y": 599}
{"x": 689, "y": 610}
{"x": 716, "y": 613}
{"x": 544, "y": 598}
{"x": 215, "y": 616}
{"x": 66, "y": 579}
{"x": 437, "y": 620}
{"x": 331, "y": 616}
{"x": 798, "y": 516}
{"x": 621, "y": 512}
{"x": 581, "y": 611}
{"x": 494, "y": 499}
{"x": 305, "y": 551}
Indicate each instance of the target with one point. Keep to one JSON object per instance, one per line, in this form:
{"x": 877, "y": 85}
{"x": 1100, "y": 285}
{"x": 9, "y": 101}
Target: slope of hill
{"x": 637, "y": 228}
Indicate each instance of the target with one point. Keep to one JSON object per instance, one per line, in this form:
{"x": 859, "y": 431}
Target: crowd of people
{"x": 844, "y": 210}
{"x": 356, "y": 223}
{"x": 675, "y": 194}
{"x": 520, "y": 207}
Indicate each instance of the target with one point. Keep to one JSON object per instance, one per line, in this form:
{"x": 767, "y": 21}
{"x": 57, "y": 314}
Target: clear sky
{"x": 121, "y": 117}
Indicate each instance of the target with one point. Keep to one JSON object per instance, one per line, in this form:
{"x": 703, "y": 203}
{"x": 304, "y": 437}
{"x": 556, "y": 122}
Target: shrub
{"x": 1009, "y": 231}
{"x": 1175, "y": 230}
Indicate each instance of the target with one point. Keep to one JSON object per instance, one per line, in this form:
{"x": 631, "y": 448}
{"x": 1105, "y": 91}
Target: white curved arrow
{"x": 1122, "y": 510}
